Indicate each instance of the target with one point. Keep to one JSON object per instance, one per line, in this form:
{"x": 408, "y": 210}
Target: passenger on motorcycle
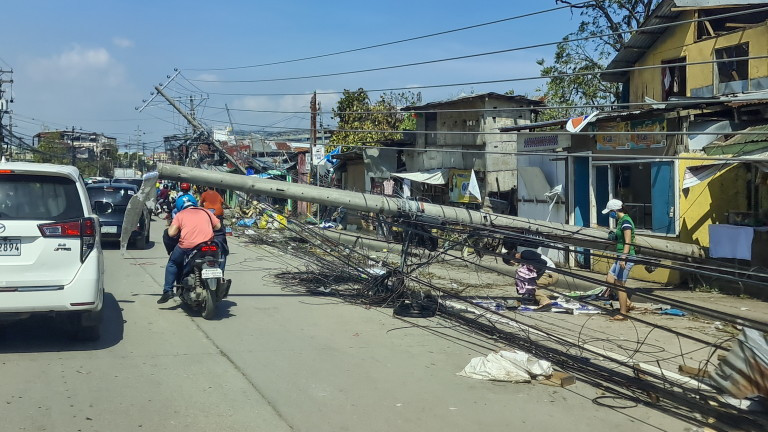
{"x": 163, "y": 193}
{"x": 193, "y": 225}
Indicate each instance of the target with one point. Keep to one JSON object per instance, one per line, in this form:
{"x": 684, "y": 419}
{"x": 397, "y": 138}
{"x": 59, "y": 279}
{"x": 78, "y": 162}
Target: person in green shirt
{"x": 625, "y": 247}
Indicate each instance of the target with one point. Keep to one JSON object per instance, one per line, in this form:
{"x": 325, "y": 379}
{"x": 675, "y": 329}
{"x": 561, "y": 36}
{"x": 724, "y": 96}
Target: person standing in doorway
{"x": 625, "y": 247}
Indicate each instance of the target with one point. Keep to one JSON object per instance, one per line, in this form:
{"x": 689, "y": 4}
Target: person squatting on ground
{"x": 529, "y": 275}
{"x": 625, "y": 246}
{"x": 193, "y": 225}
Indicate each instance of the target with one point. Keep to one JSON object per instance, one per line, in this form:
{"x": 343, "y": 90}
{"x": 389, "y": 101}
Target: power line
{"x": 508, "y": 80}
{"x": 680, "y": 103}
{"x": 581, "y": 39}
{"x": 393, "y": 42}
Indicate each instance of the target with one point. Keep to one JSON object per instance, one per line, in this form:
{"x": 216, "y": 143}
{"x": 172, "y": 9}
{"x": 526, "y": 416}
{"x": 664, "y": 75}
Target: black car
{"x": 110, "y": 201}
{"x": 133, "y": 181}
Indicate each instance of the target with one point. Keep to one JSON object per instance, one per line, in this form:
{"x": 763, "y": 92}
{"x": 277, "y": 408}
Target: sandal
{"x": 618, "y": 317}
{"x": 544, "y": 308}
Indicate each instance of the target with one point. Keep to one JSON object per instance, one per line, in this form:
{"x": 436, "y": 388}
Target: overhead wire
{"x": 574, "y": 40}
{"x": 410, "y": 39}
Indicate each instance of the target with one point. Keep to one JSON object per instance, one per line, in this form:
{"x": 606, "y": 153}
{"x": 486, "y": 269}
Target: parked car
{"x": 50, "y": 256}
{"x": 109, "y": 201}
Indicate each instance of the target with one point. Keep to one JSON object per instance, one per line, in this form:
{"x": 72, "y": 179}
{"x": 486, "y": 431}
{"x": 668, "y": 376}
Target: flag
{"x": 576, "y": 124}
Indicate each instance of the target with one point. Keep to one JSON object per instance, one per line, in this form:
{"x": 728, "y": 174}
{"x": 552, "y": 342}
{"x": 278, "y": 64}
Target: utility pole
{"x": 72, "y": 145}
{"x": 140, "y": 144}
{"x": 4, "y": 108}
{"x": 197, "y": 127}
{"x": 313, "y": 142}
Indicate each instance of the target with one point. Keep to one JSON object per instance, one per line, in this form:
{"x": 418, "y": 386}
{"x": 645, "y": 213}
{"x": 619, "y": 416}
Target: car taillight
{"x": 61, "y": 229}
{"x": 84, "y": 228}
{"x": 209, "y": 248}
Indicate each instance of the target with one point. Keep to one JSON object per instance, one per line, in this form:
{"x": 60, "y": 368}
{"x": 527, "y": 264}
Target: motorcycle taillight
{"x": 209, "y": 248}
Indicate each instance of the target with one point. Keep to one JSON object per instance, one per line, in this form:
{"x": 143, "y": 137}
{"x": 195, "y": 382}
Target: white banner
{"x": 318, "y": 153}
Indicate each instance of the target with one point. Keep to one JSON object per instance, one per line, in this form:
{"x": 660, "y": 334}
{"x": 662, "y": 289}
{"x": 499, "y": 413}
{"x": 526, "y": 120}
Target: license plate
{"x": 10, "y": 247}
{"x": 109, "y": 229}
{"x": 212, "y": 273}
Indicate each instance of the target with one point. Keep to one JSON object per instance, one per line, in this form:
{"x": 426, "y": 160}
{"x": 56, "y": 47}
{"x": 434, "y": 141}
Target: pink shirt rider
{"x": 196, "y": 226}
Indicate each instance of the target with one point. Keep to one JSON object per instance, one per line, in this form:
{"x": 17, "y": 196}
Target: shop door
{"x": 602, "y": 193}
{"x": 581, "y": 209}
{"x": 580, "y": 191}
{"x": 662, "y": 198}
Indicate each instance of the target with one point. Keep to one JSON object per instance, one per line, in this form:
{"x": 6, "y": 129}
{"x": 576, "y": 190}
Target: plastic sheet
{"x": 508, "y": 366}
{"x": 135, "y": 207}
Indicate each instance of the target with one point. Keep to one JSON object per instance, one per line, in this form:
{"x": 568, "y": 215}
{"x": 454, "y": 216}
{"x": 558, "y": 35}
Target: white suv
{"x": 50, "y": 255}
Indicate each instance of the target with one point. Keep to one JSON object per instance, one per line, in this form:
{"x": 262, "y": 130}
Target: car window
{"x": 39, "y": 197}
{"x": 135, "y": 182}
{"x": 117, "y": 195}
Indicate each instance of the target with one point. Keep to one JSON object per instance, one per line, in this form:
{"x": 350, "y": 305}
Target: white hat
{"x": 613, "y": 205}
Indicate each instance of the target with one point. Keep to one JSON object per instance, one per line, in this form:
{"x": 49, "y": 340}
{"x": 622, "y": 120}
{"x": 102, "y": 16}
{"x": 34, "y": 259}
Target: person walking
{"x": 625, "y": 247}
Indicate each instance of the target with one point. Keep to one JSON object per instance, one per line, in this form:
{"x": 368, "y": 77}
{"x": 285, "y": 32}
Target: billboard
{"x": 637, "y": 138}
{"x": 463, "y": 187}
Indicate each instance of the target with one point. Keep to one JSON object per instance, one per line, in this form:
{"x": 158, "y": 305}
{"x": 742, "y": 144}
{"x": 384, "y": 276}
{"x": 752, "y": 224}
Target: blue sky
{"x": 88, "y": 63}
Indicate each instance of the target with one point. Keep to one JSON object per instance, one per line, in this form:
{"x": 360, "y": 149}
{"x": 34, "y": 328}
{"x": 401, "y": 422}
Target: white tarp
{"x": 697, "y": 174}
{"x": 435, "y": 176}
{"x": 510, "y": 366}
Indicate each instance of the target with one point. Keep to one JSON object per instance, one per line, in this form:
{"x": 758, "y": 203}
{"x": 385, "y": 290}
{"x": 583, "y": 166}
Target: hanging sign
{"x": 544, "y": 141}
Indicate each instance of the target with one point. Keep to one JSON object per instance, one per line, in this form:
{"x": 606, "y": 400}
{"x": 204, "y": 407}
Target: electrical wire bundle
{"x": 354, "y": 275}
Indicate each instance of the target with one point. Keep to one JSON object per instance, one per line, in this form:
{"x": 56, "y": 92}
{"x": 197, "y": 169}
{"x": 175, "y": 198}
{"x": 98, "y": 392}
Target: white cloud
{"x": 285, "y": 104}
{"x": 78, "y": 66}
{"x": 122, "y": 42}
{"x": 207, "y": 77}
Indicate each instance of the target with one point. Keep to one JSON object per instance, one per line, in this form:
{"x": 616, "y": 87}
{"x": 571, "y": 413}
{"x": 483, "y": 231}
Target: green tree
{"x": 591, "y": 56}
{"x": 361, "y": 122}
{"x": 52, "y": 150}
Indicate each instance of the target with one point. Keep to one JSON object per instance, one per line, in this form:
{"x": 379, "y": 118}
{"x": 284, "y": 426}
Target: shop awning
{"x": 435, "y": 176}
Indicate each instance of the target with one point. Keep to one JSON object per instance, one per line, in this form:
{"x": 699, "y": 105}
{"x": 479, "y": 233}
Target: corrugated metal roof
{"x": 741, "y": 143}
{"x": 465, "y": 98}
{"x": 641, "y": 41}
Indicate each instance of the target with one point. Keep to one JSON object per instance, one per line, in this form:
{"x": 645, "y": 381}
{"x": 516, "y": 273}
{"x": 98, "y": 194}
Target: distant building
{"x": 84, "y": 145}
{"x": 465, "y": 133}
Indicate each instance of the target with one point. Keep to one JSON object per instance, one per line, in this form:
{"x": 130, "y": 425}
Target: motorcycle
{"x": 202, "y": 283}
{"x": 164, "y": 206}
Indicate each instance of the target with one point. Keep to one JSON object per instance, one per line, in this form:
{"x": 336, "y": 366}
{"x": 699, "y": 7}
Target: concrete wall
{"x": 500, "y": 169}
{"x": 679, "y": 41}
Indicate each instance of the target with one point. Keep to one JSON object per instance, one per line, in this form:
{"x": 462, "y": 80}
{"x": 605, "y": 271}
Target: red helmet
{"x": 185, "y": 187}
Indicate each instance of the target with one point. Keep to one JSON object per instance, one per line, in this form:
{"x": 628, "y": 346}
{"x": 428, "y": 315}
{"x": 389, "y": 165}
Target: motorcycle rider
{"x": 193, "y": 225}
{"x": 163, "y": 199}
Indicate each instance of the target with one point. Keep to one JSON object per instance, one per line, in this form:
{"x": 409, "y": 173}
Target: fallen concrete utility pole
{"x": 387, "y": 206}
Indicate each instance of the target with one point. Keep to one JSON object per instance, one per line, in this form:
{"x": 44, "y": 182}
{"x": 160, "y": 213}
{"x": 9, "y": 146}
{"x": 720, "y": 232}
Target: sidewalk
{"x": 492, "y": 277}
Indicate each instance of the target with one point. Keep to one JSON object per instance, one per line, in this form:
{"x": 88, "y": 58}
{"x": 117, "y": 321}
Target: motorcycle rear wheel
{"x": 209, "y": 306}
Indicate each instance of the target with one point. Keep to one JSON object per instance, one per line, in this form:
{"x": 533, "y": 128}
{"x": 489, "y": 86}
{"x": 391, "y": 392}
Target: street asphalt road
{"x": 274, "y": 360}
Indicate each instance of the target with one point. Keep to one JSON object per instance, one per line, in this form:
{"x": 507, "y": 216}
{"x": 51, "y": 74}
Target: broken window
{"x": 732, "y": 76}
{"x": 673, "y": 82}
{"x": 715, "y": 26}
